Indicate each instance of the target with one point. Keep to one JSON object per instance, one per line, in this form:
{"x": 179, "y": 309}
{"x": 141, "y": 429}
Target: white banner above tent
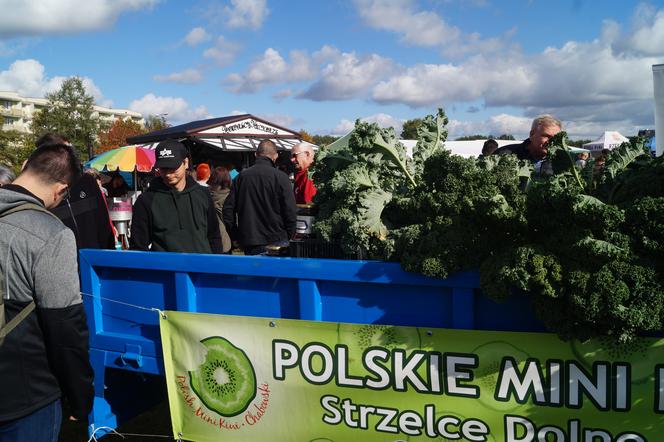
{"x": 248, "y": 126}
{"x": 609, "y": 140}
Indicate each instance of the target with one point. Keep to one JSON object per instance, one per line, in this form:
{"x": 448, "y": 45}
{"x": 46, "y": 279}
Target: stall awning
{"x": 233, "y": 133}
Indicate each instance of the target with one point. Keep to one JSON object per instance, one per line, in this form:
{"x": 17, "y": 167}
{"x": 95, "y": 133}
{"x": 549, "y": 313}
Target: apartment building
{"x": 17, "y": 112}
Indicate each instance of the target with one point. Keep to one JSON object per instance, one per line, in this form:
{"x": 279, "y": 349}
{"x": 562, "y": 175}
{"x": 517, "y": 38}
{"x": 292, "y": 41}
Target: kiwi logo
{"x": 226, "y": 381}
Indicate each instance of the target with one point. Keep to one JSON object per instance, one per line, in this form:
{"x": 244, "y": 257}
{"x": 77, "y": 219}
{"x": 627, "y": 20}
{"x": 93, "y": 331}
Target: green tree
{"x": 505, "y": 137}
{"x": 473, "y": 137}
{"x": 577, "y": 143}
{"x": 409, "y": 130}
{"x": 323, "y": 140}
{"x": 15, "y": 147}
{"x": 156, "y": 122}
{"x": 69, "y": 111}
{"x": 306, "y": 136}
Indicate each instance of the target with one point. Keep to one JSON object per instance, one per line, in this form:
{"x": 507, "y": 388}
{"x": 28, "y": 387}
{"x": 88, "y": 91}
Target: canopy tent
{"x": 609, "y": 140}
{"x": 226, "y": 140}
{"x": 233, "y": 133}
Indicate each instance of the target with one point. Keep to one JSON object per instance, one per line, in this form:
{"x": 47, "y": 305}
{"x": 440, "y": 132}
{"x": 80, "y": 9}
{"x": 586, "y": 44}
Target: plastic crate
{"x": 316, "y": 248}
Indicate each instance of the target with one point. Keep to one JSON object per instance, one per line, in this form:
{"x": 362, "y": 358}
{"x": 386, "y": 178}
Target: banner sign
{"x": 257, "y": 379}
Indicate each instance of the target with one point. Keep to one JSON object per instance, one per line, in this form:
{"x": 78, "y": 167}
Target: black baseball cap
{"x": 170, "y": 154}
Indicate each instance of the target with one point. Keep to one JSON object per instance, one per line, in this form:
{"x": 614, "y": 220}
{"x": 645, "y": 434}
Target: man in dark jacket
{"x": 175, "y": 214}
{"x": 85, "y": 211}
{"x": 261, "y": 206}
{"x": 46, "y": 355}
{"x": 535, "y": 147}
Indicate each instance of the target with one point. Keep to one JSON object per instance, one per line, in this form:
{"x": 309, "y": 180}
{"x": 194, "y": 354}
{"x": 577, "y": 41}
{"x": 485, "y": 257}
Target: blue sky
{"x": 319, "y": 65}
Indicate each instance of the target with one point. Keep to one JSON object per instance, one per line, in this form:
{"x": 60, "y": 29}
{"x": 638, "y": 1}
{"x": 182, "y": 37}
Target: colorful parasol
{"x": 125, "y": 159}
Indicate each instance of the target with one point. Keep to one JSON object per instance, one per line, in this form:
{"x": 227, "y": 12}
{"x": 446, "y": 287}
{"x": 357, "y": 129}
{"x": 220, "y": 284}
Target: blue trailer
{"x": 123, "y": 291}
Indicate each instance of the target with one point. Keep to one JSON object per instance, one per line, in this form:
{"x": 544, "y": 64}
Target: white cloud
{"x": 646, "y": 36}
{"x": 196, "y": 36}
{"x": 495, "y": 125}
{"x": 607, "y": 80}
{"x": 284, "y": 93}
{"x": 283, "y": 120}
{"x": 246, "y": 13}
{"x": 27, "y": 78}
{"x": 177, "y": 109}
{"x": 20, "y": 17}
{"x": 272, "y": 68}
{"x": 223, "y": 52}
{"x": 421, "y": 28}
{"x": 348, "y": 77}
{"x": 188, "y": 76}
{"x": 340, "y": 75}
{"x": 424, "y": 28}
{"x": 383, "y": 120}
{"x": 432, "y": 84}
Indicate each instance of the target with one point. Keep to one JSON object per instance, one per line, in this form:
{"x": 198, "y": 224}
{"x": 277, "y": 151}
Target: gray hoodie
{"x": 48, "y": 352}
{"x": 37, "y": 253}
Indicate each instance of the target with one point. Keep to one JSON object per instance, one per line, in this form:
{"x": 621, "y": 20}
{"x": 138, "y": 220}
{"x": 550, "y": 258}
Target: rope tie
{"x": 149, "y": 309}
{"x": 93, "y": 437}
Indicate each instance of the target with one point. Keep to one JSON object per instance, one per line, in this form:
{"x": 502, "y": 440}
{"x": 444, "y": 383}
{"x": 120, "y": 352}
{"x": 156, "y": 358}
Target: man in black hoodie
{"x": 176, "y": 214}
{"x": 262, "y": 202}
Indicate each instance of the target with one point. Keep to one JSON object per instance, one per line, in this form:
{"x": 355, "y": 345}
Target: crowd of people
{"x": 53, "y": 208}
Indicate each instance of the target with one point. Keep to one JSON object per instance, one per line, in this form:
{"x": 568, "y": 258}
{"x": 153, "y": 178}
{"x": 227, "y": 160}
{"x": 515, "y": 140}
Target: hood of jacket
{"x": 10, "y": 199}
{"x": 182, "y": 200}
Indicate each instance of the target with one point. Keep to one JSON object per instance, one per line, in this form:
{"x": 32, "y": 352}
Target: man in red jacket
{"x": 302, "y": 156}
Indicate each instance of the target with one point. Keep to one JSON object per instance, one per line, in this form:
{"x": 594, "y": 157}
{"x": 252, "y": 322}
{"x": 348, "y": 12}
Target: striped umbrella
{"x": 125, "y": 159}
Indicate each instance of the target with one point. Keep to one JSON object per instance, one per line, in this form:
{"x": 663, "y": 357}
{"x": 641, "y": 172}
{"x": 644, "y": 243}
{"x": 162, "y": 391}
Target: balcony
{"x": 11, "y": 112}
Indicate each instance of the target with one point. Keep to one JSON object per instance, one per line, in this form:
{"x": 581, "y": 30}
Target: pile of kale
{"x": 586, "y": 246}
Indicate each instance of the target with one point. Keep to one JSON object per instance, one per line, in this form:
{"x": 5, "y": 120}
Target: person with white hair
{"x": 302, "y": 156}
{"x": 535, "y": 147}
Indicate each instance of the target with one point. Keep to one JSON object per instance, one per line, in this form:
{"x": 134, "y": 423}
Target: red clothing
{"x": 304, "y": 188}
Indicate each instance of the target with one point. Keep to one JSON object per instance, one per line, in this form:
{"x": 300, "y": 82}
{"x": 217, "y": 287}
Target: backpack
{"x": 7, "y": 327}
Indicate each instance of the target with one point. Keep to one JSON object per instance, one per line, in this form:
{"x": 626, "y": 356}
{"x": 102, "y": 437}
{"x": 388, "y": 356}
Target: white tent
{"x": 609, "y": 140}
{"x": 471, "y": 148}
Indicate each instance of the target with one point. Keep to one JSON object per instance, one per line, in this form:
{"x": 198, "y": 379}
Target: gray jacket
{"x": 37, "y": 253}
{"x": 47, "y": 354}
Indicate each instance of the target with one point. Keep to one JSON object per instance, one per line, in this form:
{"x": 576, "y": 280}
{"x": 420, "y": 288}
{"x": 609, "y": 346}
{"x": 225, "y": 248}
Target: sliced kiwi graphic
{"x": 486, "y": 375}
{"x": 226, "y": 381}
{"x": 423, "y": 437}
{"x": 639, "y": 352}
{"x": 358, "y": 338}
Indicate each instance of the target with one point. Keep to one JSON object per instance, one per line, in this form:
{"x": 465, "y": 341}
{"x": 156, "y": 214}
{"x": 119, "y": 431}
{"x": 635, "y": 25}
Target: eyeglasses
{"x": 294, "y": 155}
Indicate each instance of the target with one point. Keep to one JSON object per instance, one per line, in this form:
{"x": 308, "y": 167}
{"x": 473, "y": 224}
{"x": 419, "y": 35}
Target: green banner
{"x": 258, "y": 379}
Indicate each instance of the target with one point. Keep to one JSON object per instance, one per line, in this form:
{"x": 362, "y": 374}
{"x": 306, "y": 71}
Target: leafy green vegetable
{"x": 586, "y": 247}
